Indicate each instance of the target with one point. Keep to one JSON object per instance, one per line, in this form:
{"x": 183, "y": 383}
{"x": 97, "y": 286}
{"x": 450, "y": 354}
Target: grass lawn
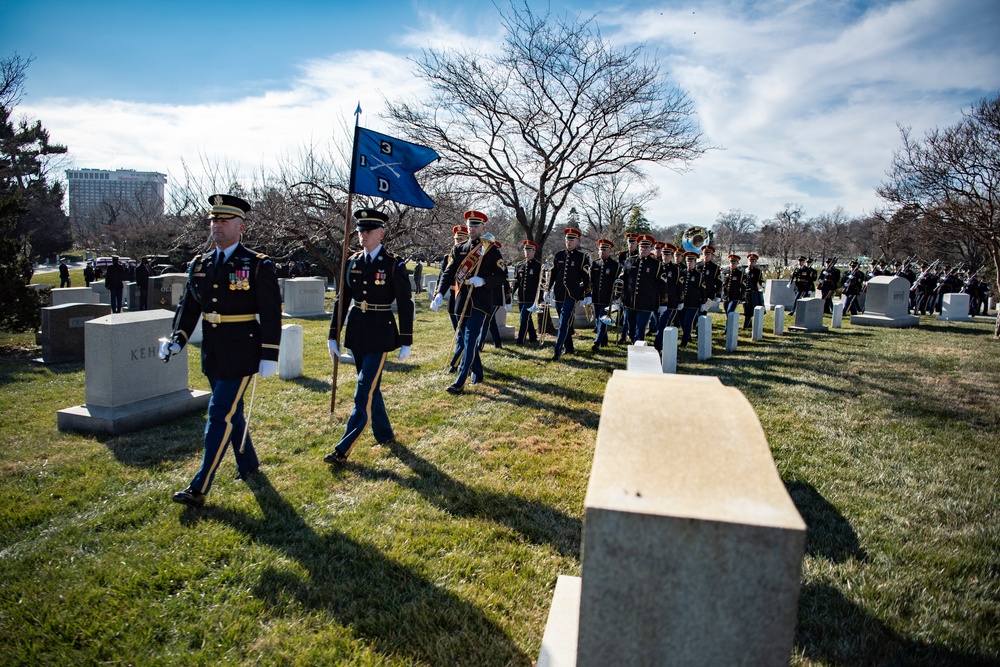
{"x": 444, "y": 549}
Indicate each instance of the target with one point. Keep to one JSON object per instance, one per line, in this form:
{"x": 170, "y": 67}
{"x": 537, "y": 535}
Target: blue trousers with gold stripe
{"x": 368, "y": 403}
{"x": 225, "y": 425}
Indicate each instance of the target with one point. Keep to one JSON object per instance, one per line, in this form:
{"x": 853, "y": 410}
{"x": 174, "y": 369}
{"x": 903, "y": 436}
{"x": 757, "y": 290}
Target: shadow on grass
{"x": 956, "y": 328}
{"x": 537, "y": 522}
{"x": 829, "y": 535}
{"x": 521, "y": 391}
{"x": 861, "y": 638}
{"x": 381, "y": 602}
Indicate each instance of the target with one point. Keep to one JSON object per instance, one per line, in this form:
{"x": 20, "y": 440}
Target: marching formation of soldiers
{"x": 643, "y": 289}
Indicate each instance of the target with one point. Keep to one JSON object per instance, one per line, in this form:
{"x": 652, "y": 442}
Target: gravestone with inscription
{"x": 61, "y": 337}
{"x": 304, "y": 297}
{"x": 166, "y": 290}
{"x": 127, "y": 385}
{"x": 887, "y": 303}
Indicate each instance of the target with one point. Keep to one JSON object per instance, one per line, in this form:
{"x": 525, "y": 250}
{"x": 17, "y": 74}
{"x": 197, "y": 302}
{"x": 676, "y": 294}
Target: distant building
{"x": 135, "y": 190}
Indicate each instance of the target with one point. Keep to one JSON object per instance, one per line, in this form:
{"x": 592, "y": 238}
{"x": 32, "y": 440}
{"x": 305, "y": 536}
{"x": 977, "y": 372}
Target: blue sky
{"x": 802, "y": 97}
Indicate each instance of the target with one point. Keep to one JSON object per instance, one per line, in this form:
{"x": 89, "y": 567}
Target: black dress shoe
{"x": 244, "y": 476}
{"x": 190, "y": 497}
{"x": 595, "y": 347}
{"x": 336, "y": 458}
{"x": 387, "y": 443}
{"x": 454, "y": 389}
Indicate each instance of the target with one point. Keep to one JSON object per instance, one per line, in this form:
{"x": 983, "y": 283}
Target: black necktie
{"x": 219, "y": 262}
{"x": 368, "y": 259}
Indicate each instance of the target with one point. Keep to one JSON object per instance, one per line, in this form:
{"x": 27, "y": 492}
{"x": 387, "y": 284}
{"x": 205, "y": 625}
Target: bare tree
{"x": 953, "y": 176}
{"x": 830, "y": 234}
{"x": 603, "y": 204}
{"x": 784, "y": 233}
{"x": 734, "y": 229}
{"x": 556, "y": 107}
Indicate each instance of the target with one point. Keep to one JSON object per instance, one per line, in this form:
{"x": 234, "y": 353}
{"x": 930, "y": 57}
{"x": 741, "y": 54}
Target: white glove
{"x": 718, "y": 299}
{"x": 587, "y": 301}
{"x": 334, "y": 350}
{"x": 167, "y": 349}
{"x": 507, "y": 307}
{"x": 661, "y": 310}
{"x": 436, "y": 303}
{"x": 267, "y": 368}
{"x": 476, "y": 281}
{"x": 404, "y": 353}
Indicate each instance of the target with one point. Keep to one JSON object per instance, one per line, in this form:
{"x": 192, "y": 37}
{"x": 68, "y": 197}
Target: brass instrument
{"x": 617, "y": 290}
{"x": 695, "y": 238}
{"x": 543, "y": 288}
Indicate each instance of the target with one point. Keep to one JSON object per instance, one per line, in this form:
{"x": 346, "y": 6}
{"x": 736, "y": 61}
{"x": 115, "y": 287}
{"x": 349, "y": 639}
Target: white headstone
{"x": 758, "y": 324}
{"x": 954, "y": 308}
{"x": 669, "y": 350}
{"x": 643, "y": 359}
{"x": 887, "y": 304}
{"x": 732, "y": 331}
{"x": 64, "y": 295}
{"x": 838, "y": 314}
{"x": 778, "y": 292}
{"x": 704, "y": 337}
{"x": 304, "y": 297}
{"x": 290, "y": 352}
{"x": 127, "y": 385}
{"x": 779, "y": 320}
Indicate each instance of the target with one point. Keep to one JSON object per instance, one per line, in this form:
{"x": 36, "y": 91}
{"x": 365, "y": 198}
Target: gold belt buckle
{"x": 364, "y": 306}
{"x": 213, "y": 318}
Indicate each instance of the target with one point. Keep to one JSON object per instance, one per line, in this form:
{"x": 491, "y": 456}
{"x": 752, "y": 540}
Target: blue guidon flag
{"x": 386, "y": 167}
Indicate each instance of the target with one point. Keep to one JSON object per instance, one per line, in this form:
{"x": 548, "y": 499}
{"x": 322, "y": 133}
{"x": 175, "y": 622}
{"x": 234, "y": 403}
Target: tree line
{"x": 555, "y": 129}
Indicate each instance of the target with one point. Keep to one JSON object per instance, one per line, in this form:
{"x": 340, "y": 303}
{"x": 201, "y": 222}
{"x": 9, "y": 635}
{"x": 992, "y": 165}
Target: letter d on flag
{"x": 386, "y": 167}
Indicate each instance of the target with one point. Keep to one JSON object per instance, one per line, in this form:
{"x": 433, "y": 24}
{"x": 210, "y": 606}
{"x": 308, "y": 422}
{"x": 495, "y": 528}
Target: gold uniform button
{"x": 214, "y": 299}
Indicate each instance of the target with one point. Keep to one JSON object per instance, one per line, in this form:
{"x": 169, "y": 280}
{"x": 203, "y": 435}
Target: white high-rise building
{"x": 137, "y": 190}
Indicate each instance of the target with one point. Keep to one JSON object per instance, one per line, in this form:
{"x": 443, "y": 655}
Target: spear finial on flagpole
{"x": 357, "y": 114}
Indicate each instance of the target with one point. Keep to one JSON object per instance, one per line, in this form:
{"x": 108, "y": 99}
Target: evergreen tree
{"x": 26, "y": 200}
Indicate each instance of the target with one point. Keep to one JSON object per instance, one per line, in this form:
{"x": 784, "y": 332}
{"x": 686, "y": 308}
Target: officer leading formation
{"x": 228, "y": 288}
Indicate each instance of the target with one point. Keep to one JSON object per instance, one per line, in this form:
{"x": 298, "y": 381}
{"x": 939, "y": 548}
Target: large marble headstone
{"x": 304, "y": 297}
{"x": 778, "y": 292}
{"x": 166, "y": 290}
{"x": 64, "y": 295}
{"x": 692, "y": 547}
{"x": 127, "y": 385}
{"x": 886, "y": 304}
{"x": 955, "y": 308}
{"x": 809, "y": 315}
{"x": 62, "y": 335}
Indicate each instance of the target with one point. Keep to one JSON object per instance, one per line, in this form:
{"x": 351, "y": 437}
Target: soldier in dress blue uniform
{"x": 711, "y": 276}
{"x": 853, "y": 282}
{"x": 800, "y": 280}
{"x": 732, "y": 285}
{"x": 644, "y": 290}
{"x": 472, "y": 282}
{"x": 570, "y": 284}
{"x": 673, "y": 258}
{"x": 693, "y": 294}
{"x": 753, "y": 279}
{"x": 460, "y": 234}
{"x": 603, "y": 273}
{"x": 829, "y": 281}
{"x": 527, "y": 275}
{"x": 374, "y": 279}
{"x": 228, "y": 288}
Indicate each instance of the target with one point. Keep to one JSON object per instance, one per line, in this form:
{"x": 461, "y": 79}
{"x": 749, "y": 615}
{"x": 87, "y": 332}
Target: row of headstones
{"x": 61, "y": 336}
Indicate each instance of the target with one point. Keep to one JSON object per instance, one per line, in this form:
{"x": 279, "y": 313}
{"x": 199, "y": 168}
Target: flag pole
{"x": 338, "y": 316}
